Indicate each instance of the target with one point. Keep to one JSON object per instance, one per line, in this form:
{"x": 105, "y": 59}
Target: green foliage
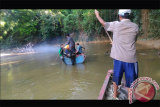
{"x": 69, "y": 22}
{"x": 154, "y": 19}
{"x": 136, "y": 18}
{"x": 20, "y": 26}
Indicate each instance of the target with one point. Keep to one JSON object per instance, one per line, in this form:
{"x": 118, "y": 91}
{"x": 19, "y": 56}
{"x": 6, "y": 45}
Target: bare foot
{"x": 115, "y": 96}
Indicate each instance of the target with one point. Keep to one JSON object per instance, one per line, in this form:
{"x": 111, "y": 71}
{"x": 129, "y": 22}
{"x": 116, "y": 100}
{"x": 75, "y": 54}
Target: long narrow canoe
{"x": 107, "y": 90}
{"x": 79, "y": 59}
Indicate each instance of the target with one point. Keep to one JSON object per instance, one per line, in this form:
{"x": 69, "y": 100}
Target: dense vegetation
{"x": 21, "y": 26}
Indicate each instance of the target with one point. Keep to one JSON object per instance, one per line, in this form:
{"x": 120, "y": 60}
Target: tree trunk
{"x": 110, "y": 14}
{"x": 79, "y": 23}
{"x": 145, "y": 21}
{"x": 117, "y": 14}
{"x": 96, "y": 27}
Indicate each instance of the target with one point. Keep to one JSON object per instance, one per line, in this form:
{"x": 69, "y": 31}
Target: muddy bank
{"x": 92, "y": 42}
{"x": 152, "y": 43}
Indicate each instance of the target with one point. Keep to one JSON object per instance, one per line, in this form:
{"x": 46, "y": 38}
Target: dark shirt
{"x": 70, "y": 42}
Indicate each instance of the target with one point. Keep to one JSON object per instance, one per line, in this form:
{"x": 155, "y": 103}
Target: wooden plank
{"x": 103, "y": 93}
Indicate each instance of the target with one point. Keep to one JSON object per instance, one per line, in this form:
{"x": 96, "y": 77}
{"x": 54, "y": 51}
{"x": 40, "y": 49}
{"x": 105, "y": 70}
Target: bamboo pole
{"x": 108, "y": 36}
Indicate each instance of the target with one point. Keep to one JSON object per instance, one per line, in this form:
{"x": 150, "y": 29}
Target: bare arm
{"x": 99, "y": 18}
{"x": 68, "y": 41}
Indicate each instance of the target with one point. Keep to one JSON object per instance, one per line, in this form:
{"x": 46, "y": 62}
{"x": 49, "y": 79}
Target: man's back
{"x": 71, "y": 42}
{"x": 124, "y": 38}
{"x": 79, "y": 48}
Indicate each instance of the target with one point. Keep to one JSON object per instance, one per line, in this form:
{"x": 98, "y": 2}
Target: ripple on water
{"x": 54, "y": 64}
{"x": 51, "y": 83}
{"x": 32, "y": 84}
{"x": 143, "y": 54}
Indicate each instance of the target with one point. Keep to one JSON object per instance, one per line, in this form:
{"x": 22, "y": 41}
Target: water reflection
{"x": 69, "y": 67}
{"x": 80, "y": 67}
{"x": 10, "y": 73}
{"x": 36, "y": 78}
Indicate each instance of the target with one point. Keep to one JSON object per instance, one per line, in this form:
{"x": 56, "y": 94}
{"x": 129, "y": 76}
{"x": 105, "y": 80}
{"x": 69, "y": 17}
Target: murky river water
{"x": 33, "y": 76}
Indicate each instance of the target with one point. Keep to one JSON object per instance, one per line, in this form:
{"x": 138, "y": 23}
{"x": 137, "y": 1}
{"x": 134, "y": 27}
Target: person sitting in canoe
{"x": 79, "y": 49}
{"x": 68, "y": 55}
{"x": 61, "y": 53}
{"x": 66, "y": 50}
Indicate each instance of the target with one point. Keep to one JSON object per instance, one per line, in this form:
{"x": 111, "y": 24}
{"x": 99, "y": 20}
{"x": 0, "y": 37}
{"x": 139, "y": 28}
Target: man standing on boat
{"x": 72, "y": 49}
{"x": 123, "y": 49}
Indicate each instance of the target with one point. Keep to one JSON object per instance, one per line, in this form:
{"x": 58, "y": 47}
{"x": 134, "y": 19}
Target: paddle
{"x": 109, "y": 39}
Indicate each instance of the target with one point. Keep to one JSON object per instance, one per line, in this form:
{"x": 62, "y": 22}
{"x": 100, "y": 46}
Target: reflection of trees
{"x": 10, "y": 73}
{"x": 78, "y": 83}
{"x": 148, "y": 67}
{"x": 78, "y": 68}
{"x": 74, "y": 76}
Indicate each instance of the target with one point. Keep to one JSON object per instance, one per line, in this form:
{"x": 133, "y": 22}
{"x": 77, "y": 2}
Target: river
{"x": 33, "y": 76}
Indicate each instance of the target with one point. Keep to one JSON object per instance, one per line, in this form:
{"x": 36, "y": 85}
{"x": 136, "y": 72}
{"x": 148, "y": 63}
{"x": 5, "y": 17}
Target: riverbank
{"x": 152, "y": 43}
{"x": 93, "y": 42}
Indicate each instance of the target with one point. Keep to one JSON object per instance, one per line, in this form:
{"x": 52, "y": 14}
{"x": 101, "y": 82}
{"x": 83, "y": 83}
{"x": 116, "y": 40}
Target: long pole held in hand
{"x": 105, "y": 29}
{"x": 109, "y": 36}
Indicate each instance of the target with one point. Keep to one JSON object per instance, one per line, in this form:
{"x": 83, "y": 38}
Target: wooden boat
{"x": 107, "y": 90}
{"x": 79, "y": 59}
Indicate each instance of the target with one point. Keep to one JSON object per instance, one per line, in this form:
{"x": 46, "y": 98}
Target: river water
{"x": 33, "y": 76}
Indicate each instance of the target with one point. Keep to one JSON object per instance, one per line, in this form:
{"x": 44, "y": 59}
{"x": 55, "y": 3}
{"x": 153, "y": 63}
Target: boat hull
{"x": 107, "y": 90}
{"x": 79, "y": 59}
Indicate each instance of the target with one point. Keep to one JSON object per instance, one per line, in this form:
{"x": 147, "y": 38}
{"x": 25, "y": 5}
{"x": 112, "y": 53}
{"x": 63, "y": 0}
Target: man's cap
{"x": 123, "y": 11}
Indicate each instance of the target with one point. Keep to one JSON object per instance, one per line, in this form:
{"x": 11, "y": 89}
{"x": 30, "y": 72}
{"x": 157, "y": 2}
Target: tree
{"x": 145, "y": 21}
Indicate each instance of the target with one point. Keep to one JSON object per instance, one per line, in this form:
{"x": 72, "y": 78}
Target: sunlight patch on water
{"x": 54, "y": 64}
{"x": 5, "y": 54}
{"x": 10, "y": 62}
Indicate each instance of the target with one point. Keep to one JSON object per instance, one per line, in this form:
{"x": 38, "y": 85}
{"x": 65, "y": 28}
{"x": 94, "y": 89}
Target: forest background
{"x": 19, "y": 27}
